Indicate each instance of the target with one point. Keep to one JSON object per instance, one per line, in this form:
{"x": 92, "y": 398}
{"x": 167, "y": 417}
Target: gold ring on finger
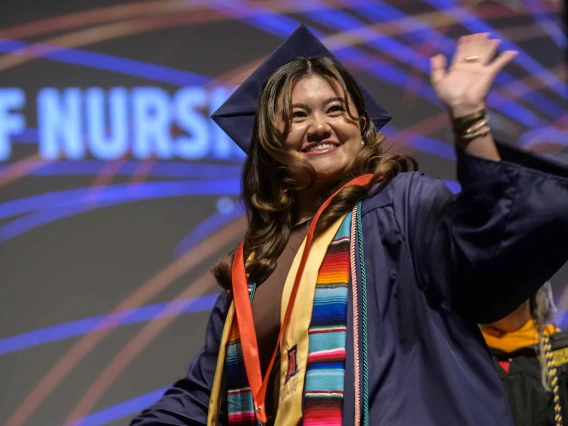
{"x": 471, "y": 58}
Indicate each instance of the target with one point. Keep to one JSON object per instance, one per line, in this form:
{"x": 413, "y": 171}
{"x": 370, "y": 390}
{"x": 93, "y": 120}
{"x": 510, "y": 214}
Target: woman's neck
{"x": 308, "y": 201}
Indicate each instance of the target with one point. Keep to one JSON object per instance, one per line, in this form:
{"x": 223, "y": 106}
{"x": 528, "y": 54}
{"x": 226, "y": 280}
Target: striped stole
{"x": 323, "y": 391}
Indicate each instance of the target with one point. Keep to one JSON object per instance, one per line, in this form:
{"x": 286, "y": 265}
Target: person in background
{"x": 531, "y": 357}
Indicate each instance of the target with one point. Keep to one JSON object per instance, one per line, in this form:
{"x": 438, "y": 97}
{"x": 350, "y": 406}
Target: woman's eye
{"x": 298, "y": 114}
{"x": 336, "y": 108}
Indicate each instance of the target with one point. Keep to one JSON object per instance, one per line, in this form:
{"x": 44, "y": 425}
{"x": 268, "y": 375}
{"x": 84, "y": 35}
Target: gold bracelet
{"x": 477, "y": 126}
{"x": 480, "y": 133}
{"x": 466, "y": 119}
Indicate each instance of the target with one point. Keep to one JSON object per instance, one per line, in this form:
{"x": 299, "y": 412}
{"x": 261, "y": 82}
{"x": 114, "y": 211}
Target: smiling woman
{"x": 320, "y": 126}
{"x": 355, "y": 294}
{"x": 313, "y": 134}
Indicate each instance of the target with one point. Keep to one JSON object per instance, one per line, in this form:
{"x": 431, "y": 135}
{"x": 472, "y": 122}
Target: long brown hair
{"x": 268, "y": 188}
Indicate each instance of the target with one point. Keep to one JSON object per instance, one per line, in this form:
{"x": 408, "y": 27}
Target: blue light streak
{"x": 108, "y": 63}
{"x": 42, "y": 201}
{"x": 27, "y": 136}
{"x": 115, "y": 195}
{"x": 547, "y": 25}
{"x": 36, "y": 202}
{"x": 121, "y": 410}
{"x": 550, "y": 134}
{"x": 103, "y": 322}
{"x": 209, "y": 225}
{"x": 172, "y": 169}
{"x": 425, "y": 144}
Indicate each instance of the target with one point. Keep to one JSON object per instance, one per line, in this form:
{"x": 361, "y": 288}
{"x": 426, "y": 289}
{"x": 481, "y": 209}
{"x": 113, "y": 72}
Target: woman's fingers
{"x": 475, "y": 45}
{"x": 461, "y": 49}
{"x": 489, "y": 50}
{"x": 437, "y": 68}
{"x": 500, "y": 61}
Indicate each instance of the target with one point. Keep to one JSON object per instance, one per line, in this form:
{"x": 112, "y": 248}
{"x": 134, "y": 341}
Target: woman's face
{"x": 321, "y": 130}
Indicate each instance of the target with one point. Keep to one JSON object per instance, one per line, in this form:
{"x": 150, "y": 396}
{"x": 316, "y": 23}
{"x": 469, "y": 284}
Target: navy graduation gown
{"x": 437, "y": 264}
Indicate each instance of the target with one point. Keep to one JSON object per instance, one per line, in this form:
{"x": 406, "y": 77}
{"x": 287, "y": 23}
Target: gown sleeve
{"x": 187, "y": 401}
{"x": 487, "y": 249}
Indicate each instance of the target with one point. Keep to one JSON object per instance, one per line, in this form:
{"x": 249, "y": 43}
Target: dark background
{"x": 104, "y": 264}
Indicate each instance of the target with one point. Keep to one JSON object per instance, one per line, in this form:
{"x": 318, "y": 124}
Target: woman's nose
{"x": 319, "y": 127}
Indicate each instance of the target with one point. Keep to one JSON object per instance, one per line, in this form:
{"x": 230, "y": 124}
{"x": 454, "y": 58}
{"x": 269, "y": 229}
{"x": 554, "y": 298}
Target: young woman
{"x": 531, "y": 356}
{"x": 355, "y": 295}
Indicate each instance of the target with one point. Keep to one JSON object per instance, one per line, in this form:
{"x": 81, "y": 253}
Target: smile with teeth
{"x": 320, "y": 147}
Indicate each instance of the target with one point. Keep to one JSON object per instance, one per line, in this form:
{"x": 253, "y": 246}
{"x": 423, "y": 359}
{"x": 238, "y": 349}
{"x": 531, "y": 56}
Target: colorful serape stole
{"x": 323, "y": 387}
{"x": 323, "y": 394}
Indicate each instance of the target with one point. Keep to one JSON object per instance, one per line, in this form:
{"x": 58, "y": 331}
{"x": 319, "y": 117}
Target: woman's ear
{"x": 363, "y": 121}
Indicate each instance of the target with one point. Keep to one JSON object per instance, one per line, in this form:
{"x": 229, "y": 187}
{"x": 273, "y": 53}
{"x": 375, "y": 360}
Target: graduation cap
{"x": 236, "y": 116}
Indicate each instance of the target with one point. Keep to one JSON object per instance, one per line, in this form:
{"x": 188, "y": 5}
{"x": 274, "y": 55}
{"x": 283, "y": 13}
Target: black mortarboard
{"x": 236, "y": 116}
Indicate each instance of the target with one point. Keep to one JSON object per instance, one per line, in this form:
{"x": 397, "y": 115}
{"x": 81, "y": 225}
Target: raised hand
{"x": 463, "y": 86}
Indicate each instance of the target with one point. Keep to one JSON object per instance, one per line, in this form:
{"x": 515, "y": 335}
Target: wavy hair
{"x": 268, "y": 187}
